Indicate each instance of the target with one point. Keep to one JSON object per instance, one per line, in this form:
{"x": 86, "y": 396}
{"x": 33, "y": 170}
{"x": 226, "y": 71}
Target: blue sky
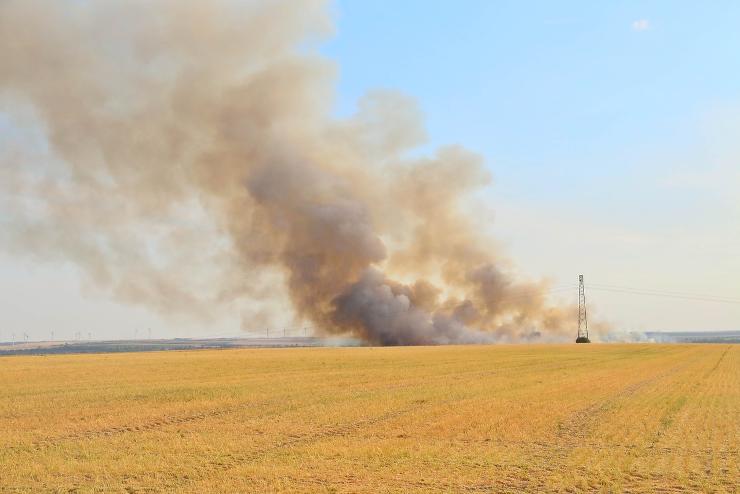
{"x": 610, "y": 128}
{"x": 570, "y": 90}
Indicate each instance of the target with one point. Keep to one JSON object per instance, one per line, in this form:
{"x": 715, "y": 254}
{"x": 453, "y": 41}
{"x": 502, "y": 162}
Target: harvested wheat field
{"x": 570, "y": 418}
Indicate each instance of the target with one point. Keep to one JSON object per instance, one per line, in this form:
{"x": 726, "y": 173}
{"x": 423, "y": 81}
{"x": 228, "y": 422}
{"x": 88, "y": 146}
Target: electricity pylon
{"x": 582, "y": 319}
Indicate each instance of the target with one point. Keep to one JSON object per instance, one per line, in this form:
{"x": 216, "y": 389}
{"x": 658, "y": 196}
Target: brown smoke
{"x": 183, "y": 154}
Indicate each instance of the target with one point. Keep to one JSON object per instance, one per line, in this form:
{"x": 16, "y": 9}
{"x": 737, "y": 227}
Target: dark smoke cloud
{"x": 183, "y": 154}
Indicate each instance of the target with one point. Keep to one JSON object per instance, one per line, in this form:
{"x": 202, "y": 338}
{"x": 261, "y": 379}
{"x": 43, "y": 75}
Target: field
{"x": 571, "y": 418}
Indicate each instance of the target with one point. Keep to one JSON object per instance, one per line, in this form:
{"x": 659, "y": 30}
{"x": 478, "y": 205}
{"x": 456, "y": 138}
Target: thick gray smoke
{"x": 183, "y": 154}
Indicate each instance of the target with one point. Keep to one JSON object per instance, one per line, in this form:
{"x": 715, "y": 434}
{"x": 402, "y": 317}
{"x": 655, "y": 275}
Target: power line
{"x": 656, "y": 293}
{"x": 664, "y": 292}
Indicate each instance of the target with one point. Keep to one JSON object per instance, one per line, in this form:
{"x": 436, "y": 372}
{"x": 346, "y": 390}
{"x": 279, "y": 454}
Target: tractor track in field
{"x": 159, "y": 423}
{"x": 719, "y": 361}
{"x": 574, "y": 432}
{"x": 227, "y": 462}
{"x": 710, "y": 457}
{"x": 174, "y": 420}
{"x": 231, "y": 461}
{"x": 419, "y": 485}
{"x": 152, "y": 425}
{"x": 606, "y": 447}
{"x": 578, "y": 431}
{"x": 571, "y": 435}
{"x": 673, "y": 412}
{"x": 166, "y": 421}
{"x": 638, "y": 482}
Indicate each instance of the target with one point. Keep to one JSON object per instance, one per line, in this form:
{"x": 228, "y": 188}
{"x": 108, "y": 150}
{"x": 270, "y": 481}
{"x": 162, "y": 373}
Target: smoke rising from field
{"x": 183, "y": 155}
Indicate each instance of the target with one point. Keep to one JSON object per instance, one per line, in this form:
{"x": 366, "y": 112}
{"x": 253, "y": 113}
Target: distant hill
{"x": 694, "y": 336}
{"x": 114, "y": 346}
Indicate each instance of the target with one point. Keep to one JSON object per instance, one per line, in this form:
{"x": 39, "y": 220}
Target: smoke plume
{"x": 183, "y": 154}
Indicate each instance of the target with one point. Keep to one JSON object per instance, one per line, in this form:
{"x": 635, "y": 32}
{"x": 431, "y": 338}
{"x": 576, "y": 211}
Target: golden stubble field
{"x": 571, "y": 418}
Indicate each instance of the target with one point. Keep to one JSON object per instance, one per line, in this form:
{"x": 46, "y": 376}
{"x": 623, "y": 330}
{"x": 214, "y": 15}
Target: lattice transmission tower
{"x": 582, "y": 319}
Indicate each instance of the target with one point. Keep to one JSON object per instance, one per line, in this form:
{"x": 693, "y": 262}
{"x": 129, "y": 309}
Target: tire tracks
{"x": 173, "y": 420}
{"x": 164, "y": 421}
{"x": 573, "y": 432}
{"x": 552, "y": 457}
{"x": 231, "y": 461}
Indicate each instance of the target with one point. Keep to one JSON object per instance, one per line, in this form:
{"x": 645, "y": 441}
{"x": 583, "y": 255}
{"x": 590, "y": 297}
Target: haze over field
{"x": 187, "y": 159}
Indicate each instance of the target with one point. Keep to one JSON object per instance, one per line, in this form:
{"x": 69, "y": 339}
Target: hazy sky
{"x": 611, "y": 130}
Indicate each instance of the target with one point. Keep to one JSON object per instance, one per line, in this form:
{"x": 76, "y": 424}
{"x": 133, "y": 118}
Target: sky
{"x": 610, "y": 128}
